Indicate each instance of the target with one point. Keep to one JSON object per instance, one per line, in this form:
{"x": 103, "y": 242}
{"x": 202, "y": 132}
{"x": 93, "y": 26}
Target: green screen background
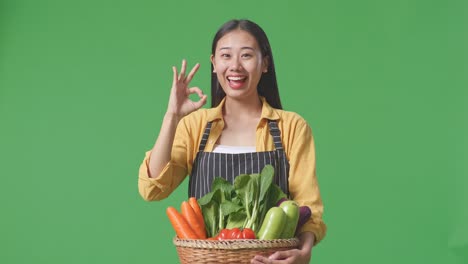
{"x": 84, "y": 86}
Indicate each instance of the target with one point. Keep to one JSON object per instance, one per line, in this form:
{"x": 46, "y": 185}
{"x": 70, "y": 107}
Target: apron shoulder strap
{"x": 204, "y": 139}
{"x": 275, "y": 133}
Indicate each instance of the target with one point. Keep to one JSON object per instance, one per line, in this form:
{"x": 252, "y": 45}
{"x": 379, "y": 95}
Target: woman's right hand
{"x": 180, "y": 104}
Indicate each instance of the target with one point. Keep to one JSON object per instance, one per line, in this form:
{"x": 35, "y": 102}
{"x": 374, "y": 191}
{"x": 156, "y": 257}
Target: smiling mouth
{"x": 236, "y": 82}
{"x": 237, "y": 78}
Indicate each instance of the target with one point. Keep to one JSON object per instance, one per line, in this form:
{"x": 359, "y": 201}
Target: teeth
{"x": 235, "y": 78}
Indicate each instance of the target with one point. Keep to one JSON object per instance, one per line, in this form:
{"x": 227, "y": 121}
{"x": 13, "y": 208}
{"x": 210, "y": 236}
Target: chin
{"x": 239, "y": 94}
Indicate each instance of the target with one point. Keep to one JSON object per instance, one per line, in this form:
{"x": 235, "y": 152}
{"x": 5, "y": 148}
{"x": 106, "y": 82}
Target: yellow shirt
{"x": 298, "y": 144}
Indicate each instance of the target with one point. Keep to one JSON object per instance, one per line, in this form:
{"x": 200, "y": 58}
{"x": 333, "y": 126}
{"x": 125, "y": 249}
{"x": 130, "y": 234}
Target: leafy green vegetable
{"x": 243, "y": 204}
{"x": 210, "y": 215}
{"x": 236, "y": 219}
{"x": 264, "y": 195}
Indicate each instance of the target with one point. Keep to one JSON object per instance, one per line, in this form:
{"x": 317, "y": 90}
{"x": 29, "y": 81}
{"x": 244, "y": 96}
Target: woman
{"x": 244, "y": 130}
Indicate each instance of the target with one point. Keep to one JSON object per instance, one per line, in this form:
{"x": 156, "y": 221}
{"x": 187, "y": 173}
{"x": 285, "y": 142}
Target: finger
{"x": 182, "y": 70}
{"x": 259, "y": 260}
{"x": 198, "y": 104}
{"x": 174, "y": 70}
{"x": 281, "y": 255}
{"x": 192, "y": 72}
{"x": 196, "y": 90}
{"x": 254, "y": 261}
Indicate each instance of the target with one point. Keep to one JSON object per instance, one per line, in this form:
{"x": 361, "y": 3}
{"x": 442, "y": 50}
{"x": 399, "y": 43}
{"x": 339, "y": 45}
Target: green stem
{"x": 221, "y": 220}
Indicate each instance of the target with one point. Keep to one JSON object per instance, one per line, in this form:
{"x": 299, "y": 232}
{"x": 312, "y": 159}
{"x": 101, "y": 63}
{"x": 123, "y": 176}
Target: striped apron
{"x": 208, "y": 165}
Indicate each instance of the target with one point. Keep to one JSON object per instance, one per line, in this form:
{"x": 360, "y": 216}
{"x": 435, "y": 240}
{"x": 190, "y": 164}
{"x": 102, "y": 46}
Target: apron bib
{"x": 208, "y": 165}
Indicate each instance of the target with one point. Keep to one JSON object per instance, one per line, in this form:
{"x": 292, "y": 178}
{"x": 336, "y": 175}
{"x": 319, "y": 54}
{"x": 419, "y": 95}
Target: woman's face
{"x": 238, "y": 64}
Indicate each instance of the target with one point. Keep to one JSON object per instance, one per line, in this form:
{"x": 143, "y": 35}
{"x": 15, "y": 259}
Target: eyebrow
{"x": 228, "y": 48}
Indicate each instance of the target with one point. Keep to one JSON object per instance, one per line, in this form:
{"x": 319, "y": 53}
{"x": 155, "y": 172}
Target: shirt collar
{"x": 268, "y": 112}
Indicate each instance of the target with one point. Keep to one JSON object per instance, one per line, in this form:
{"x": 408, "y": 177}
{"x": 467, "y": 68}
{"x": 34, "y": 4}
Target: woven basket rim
{"x": 234, "y": 244}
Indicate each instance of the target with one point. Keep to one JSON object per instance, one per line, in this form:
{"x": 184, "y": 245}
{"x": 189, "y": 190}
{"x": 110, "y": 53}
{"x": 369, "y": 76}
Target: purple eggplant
{"x": 304, "y": 214}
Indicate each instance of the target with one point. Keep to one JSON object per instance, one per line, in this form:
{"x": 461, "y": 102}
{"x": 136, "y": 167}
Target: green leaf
{"x": 210, "y": 215}
{"x": 229, "y": 207}
{"x": 251, "y": 202}
{"x": 242, "y": 187}
{"x": 266, "y": 178}
{"x": 236, "y": 219}
{"x": 207, "y": 198}
{"x": 254, "y": 188}
{"x": 241, "y": 181}
{"x": 275, "y": 194}
{"x": 268, "y": 170}
{"x": 225, "y": 188}
{"x": 222, "y": 184}
{"x": 237, "y": 200}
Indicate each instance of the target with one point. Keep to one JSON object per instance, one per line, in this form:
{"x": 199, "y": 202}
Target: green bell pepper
{"x": 273, "y": 224}
{"x": 291, "y": 209}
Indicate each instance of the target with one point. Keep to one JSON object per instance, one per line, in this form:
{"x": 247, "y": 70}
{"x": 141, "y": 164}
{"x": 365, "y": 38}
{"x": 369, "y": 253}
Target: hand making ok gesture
{"x": 179, "y": 101}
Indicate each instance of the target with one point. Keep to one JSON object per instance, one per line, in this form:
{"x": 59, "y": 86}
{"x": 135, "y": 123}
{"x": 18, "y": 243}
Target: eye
{"x": 225, "y": 55}
{"x": 246, "y": 55}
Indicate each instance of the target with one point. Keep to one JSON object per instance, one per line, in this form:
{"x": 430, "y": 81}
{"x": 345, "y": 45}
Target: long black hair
{"x": 267, "y": 86}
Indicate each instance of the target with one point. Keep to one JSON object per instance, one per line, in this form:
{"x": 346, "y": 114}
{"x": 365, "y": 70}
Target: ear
{"x": 213, "y": 62}
{"x": 265, "y": 64}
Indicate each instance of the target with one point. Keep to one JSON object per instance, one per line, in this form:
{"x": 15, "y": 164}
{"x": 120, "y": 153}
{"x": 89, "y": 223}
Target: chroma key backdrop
{"x": 84, "y": 86}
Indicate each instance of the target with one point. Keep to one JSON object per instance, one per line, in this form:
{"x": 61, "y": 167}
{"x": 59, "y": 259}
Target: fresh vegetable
{"x": 224, "y": 234}
{"x": 217, "y": 206}
{"x": 180, "y": 225}
{"x": 291, "y": 209}
{"x": 248, "y": 233}
{"x": 210, "y": 216}
{"x": 273, "y": 224}
{"x": 304, "y": 214}
{"x": 280, "y": 201}
{"x": 236, "y": 233}
{"x": 196, "y": 208}
{"x": 192, "y": 219}
{"x": 243, "y": 204}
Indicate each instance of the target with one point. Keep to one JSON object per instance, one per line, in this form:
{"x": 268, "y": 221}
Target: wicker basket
{"x": 229, "y": 251}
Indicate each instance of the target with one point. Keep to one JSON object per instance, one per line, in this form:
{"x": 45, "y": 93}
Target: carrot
{"x": 192, "y": 219}
{"x": 182, "y": 228}
{"x": 196, "y": 208}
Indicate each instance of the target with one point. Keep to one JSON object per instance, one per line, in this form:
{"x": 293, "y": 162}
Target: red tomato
{"x": 236, "y": 233}
{"x": 248, "y": 233}
{"x": 224, "y": 234}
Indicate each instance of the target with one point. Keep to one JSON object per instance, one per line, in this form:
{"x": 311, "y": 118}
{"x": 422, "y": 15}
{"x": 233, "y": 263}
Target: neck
{"x": 247, "y": 107}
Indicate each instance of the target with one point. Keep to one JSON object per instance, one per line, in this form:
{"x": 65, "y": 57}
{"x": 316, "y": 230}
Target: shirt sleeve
{"x": 303, "y": 184}
{"x": 173, "y": 173}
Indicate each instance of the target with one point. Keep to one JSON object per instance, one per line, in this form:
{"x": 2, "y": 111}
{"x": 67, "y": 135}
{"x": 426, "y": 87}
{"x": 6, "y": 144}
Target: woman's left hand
{"x": 295, "y": 256}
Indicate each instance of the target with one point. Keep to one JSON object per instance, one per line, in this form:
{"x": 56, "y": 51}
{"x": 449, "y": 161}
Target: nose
{"x": 235, "y": 64}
